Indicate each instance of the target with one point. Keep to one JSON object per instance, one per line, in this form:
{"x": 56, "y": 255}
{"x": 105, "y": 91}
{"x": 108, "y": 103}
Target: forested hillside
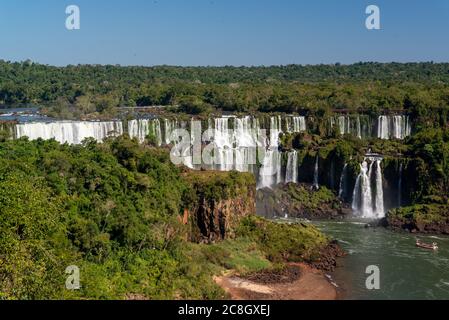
{"x": 115, "y": 210}
{"x": 293, "y": 88}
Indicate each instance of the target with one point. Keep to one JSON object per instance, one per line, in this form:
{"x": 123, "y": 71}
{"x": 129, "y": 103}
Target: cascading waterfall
{"x": 141, "y": 128}
{"x": 348, "y": 125}
{"x": 275, "y": 130}
{"x": 170, "y": 126}
{"x": 234, "y": 149}
{"x": 246, "y": 132}
{"x": 368, "y": 202}
{"x": 291, "y": 171}
{"x": 295, "y": 124}
{"x": 270, "y": 174}
{"x": 316, "y": 182}
{"x": 224, "y": 145}
{"x": 71, "y": 132}
{"x": 379, "y": 194}
{"x": 386, "y": 127}
{"x": 344, "y": 125}
{"x": 362, "y": 201}
{"x": 343, "y": 177}
{"x": 393, "y": 127}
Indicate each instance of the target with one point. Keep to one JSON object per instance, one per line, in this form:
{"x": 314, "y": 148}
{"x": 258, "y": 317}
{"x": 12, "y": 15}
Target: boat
{"x": 433, "y": 246}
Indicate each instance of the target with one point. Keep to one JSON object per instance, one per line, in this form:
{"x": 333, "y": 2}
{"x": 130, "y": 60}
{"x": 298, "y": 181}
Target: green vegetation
{"x": 421, "y": 89}
{"x": 300, "y": 245}
{"x": 114, "y": 210}
{"x": 311, "y": 200}
{"x": 422, "y": 213}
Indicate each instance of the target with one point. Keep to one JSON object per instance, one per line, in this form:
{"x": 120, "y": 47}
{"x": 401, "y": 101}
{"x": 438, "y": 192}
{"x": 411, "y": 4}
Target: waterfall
{"x": 295, "y": 124}
{"x": 343, "y": 124}
{"x": 348, "y": 125}
{"x": 269, "y": 174}
{"x": 362, "y": 201}
{"x": 316, "y": 183}
{"x": 223, "y": 140}
{"x": 359, "y": 128}
{"x": 141, "y": 128}
{"x": 342, "y": 189}
{"x": 246, "y": 131}
{"x": 393, "y": 127}
{"x": 382, "y": 128}
{"x": 170, "y": 126}
{"x": 72, "y": 132}
{"x": 275, "y": 130}
{"x": 379, "y": 194}
{"x": 368, "y": 202}
{"x": 291, "y": 171}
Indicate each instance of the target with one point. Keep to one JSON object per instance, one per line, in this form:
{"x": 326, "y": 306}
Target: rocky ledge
{"x": 217, "y": 202}
{"x": 300, "y": 201}
{"x": 425, "y": 218}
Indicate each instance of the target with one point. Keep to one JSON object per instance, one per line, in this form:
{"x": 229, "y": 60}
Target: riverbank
{"x": 419, "y": 219}
{"x": 300, "y": 282}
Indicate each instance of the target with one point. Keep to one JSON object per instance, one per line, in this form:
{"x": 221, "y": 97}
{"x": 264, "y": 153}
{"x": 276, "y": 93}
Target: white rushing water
{"x": 368, "y": 199}
{"x": 291, "y": 171}
{"x": 342, "y": 188}
{"x": 224, "y": 145}
{"x": 142, "y": 128}
{"x": 270, "y": 172}
{"x": 295, "y": 124}
{"x": 72, "y": 132}
{"x": 385, "y": 126}
{"x": 235, "y": 149}
{"x": 393, "y": 127}
{"x": 316, "y": 182}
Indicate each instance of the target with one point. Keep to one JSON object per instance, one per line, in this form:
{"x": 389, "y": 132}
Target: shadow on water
{"x": 406, "y": 271}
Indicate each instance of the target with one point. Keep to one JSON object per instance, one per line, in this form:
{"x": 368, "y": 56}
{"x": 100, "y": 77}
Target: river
{"x": 406, "y": 272}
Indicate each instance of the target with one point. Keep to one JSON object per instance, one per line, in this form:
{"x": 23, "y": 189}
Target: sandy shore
{"x": 312, "y": 284}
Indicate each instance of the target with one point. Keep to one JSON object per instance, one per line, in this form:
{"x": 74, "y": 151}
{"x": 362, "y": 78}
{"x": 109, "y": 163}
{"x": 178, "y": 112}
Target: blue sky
{"x": 223, "y": 32}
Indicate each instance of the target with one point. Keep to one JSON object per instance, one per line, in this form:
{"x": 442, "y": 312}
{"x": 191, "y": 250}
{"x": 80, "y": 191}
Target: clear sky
{"x": 223, "y": 32}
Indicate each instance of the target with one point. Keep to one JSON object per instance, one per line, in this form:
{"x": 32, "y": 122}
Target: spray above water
{"x": 368, "y": 199}
{"x": 291, "y": 171}
{"x": 316, "y": 182}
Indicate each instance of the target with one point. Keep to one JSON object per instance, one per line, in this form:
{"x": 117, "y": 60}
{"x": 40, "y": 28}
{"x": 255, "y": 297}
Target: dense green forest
{"x": 293, "y": 88}
{"x": 114, "y": 210}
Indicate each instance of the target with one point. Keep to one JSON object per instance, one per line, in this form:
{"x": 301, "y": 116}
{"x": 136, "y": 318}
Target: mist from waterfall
{"x": 343, "y": 177}
{"x": 270, "y": 172}
{"x": 367, "y": 198}
{"x": 235, "y": 149}
{"x": 295, "y": 124}
{"x": 393, "y": 127}
{"x": 141, "y": 128}
{"x": 291, "y": 171}
{"x": 316, "y": 182}
{"x": 384, "y": 127}
{"x": 71, "y": 132}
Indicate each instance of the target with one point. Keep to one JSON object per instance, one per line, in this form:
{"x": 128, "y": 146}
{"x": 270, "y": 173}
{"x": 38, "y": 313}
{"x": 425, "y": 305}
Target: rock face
{"x": 217, "y": 220}
{"x": 220, "y": 201}
{"x": 300, "y": 201}
{"x": 327, "y": 260}
{"x": 430, "y": 219}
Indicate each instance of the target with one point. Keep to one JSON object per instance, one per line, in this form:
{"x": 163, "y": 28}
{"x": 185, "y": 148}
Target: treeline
{"x": 87, "y": 89}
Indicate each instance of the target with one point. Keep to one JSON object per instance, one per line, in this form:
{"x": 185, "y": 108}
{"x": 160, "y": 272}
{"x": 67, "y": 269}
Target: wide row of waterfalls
{"x": 362, "y": 126}
{"x": 246, "y": 144}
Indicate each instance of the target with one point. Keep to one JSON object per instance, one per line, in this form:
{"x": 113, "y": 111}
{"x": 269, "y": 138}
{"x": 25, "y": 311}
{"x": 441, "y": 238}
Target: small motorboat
{"x": 433, "y": 246}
